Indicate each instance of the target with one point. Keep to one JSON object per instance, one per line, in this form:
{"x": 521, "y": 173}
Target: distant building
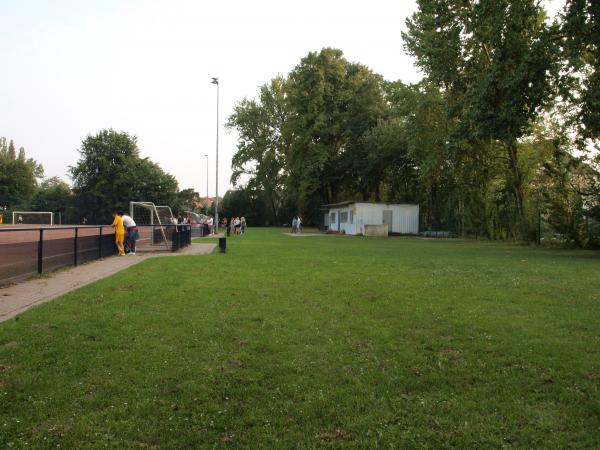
{"x": 352, "y": 217}
{"x": 201, "y": 202}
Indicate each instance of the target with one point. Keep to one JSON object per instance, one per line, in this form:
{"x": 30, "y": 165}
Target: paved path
{"x": 20, "y": 297}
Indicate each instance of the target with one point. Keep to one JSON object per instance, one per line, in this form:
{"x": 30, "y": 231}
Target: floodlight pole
{"x": 206, "y": 204}
{"x": 216, "y": 224}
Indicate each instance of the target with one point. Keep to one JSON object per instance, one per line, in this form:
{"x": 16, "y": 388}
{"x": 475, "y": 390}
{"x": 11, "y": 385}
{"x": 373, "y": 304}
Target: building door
{"x": 387, "y": 219}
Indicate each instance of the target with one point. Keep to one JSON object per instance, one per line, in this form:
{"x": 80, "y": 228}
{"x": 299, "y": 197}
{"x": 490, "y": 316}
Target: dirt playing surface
{"x": 20, "y": 297}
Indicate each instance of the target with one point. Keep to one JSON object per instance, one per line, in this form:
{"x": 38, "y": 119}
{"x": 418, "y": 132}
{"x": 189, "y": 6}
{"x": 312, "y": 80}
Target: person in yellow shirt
{"x": 119, "y": 233}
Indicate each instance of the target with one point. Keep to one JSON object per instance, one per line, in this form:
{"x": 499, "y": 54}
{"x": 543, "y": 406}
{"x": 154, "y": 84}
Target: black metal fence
{"x": 181, "y": 237}
{"x": 26, "y": 251}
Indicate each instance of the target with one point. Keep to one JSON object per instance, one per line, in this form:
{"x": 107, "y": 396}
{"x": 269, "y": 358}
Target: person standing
{"x": 298, "y": 224}
{"x": 131, "y": 233}
{"x": 210, "y": 225}
{"x": 243, "y": 225}
{"x": 119, "y": 232}
{"x": 294, "y": 224}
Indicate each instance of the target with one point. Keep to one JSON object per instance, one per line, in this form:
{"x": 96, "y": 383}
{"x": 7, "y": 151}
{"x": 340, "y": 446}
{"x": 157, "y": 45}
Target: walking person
{"x": 119, "y": 232}
{"x": 243, "y": 225}
{"x": 294, "y": 224}
{"x": 131, "y": 233}
{"x": 298, "y": 224}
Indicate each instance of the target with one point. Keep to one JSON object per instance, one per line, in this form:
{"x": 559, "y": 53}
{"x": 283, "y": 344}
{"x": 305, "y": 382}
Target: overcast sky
{"x": 72, "y": 67}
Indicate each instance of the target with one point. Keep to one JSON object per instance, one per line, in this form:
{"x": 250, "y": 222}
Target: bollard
{"x": 222, "y": 244}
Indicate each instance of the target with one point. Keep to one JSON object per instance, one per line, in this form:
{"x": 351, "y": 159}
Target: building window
{"x": 332, "y": 217}
{"x": 344, "y": 217}
{"x": 351, "y": 217}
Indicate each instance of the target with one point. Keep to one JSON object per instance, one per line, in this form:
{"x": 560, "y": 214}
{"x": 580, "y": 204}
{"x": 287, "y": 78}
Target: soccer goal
{"x": 33, "y": 218}
{"x": 197, "y": 222}
{"x": 154, "y": 220}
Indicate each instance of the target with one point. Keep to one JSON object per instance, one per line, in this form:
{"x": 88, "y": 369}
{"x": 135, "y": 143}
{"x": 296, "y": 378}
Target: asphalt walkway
{"x": 20, "y": 297}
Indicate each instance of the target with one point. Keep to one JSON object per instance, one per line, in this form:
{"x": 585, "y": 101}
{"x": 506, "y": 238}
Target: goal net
{"x": 197, "y": 222}
{"x": 154, "y": 222}
{"x": 33, "y": 218}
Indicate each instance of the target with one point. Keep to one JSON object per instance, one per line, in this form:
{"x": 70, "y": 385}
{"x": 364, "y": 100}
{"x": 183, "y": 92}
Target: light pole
{"x": 216, "y": 81}
{"x": 206, "y": 205}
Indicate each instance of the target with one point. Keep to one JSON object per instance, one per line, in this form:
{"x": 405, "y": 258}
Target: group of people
{"x": 235, "y": 225}
{"x": 296, "y": 224}
{"x": 126, "y": 233}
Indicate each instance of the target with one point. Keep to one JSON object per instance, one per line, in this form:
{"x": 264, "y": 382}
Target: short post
{"x": 222, "y": 244}
{"x": 100, "y": 244}
{"x": 41, "y": 252}
{"x": 75, "y": 246}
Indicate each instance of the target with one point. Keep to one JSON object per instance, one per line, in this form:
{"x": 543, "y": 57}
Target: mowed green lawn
{"x": 315, "y": 342}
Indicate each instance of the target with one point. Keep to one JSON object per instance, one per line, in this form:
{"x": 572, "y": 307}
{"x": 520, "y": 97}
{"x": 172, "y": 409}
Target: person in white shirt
{"x": 131, "y": 233}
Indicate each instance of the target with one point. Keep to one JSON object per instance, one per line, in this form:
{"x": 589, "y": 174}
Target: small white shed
{"x": 351, "y": 217}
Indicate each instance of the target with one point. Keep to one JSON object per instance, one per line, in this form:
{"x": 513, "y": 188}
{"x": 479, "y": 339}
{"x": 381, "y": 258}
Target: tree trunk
{"x": 517, "y": 182}
{"x": 274, "y": 210}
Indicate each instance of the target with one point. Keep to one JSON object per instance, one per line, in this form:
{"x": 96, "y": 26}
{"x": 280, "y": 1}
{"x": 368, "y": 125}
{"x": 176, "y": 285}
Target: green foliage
{"x": 493, "y": 60}
{"x": 578, "y": 35}
{"x": 110, "y": 173}
{"x": 53, "y": 195}
{"x": 302, "y": 141}
{"x": 264, "y": 145}
{"x": 392, "y": 343}
{"x": 187, "y": 200}
{"x": 335, "y": 103}
{"x": 246, "y": 203}
{"x": 18, "y": 175}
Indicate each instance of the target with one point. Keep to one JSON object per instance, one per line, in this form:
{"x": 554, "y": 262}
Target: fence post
{"x": 75, "y": 247}
{"x": 41, "y": 251}
{"x": 100, "y": 244}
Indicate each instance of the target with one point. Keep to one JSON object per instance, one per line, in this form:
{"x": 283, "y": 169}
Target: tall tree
{"x": 264, "y": 144}
{"x": 187, "y": 200}
{"x": 52, "y": 194}
{"x": 578, "y": 34}
{"x": 110, "y": 173}
{"x": 334, "y": 102}
{"x": 492, "y": 58}
{"x": 18, "y": 175}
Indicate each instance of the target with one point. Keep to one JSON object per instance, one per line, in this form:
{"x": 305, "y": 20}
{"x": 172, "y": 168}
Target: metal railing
{"x": 26, "y": 251}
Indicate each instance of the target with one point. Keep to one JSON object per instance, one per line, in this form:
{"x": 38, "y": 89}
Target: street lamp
{"x": 206, "y": 205}
{"x": 216, "y": 81}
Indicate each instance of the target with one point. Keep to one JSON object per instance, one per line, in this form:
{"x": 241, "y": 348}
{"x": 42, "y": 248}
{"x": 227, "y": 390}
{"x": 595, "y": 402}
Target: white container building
{"x": 351, "y": 217}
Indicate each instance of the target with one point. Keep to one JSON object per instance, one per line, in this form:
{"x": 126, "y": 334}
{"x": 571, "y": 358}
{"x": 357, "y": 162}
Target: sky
{"x": 73, "y": 67}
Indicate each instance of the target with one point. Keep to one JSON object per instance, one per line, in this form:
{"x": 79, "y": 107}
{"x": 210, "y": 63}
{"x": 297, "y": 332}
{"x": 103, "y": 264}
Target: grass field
{"x": 316, "y": 342}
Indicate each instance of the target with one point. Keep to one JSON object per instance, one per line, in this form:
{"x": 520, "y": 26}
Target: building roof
{"x": 342, "y": 204}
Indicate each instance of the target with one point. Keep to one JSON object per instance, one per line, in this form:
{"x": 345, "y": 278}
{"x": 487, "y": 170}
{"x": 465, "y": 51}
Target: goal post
{"x": 156, "y": 217}
{"x": 33, "y": 217}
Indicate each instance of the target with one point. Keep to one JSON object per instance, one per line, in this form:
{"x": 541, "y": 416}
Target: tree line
{"x": 108, "y": 175}
{"x": 499, "y": 137}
